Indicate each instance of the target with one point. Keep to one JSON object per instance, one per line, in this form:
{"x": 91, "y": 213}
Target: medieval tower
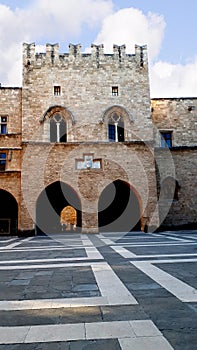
{"x": 82, "y": 136}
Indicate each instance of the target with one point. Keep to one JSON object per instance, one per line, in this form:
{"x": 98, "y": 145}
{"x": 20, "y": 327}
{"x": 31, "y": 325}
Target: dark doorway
{"x": 118, "y": 209}
{"x": 8, "y": 213}
{"x": 50, "y": 203}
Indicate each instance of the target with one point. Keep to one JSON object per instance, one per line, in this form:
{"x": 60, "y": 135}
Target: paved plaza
{"x": 109, "y": 291}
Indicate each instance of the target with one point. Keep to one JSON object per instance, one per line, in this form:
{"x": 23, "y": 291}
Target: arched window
{"x": 58, "y": 132}
{"x": 116, "y": 128}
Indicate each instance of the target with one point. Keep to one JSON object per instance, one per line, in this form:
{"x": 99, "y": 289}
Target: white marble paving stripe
{"x": 86, "y": 241}
{"x": 145, "y": 244}
{"x": 8, "y": 240}
{"x": 179, "y": 289}
{"x": 155, "y": 244}
{"x": 111, "y": 286}
{"x": 174, "y": 238}
{"x": 29, "y": 249}
{"x": 50, "y": 246}
{"x": 167, "y": 255}
{"x": 125, "y": 253}
{"x": 174, "y": 261}
{"x": 127, "y": 332}
{"x": 44, "y": 266}
{"x": 38, "y": 304}
{"x": 91, "y": 255}
{"x": 91, "y": 251}
{"x": 13, "y": 245}
{"x": 107, "y": 241}
{"x": 148, "y": 343}
{"x": 190, "y": 237}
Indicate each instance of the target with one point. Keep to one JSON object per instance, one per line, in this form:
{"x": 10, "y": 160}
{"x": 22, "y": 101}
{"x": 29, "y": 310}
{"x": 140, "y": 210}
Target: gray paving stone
{"x": 80, "y": 315}
{"x": 111, "y": 344}
{"x": 123, "y": 313}
{"x": 85, "y": 287}
{"x": 143, "y": 286}
{"x": 25, "y": 275}
{"x": 19, "y": 282}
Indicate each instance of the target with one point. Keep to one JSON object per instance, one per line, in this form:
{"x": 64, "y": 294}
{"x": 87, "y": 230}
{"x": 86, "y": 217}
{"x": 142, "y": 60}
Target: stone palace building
{"x": 83, "y": 148}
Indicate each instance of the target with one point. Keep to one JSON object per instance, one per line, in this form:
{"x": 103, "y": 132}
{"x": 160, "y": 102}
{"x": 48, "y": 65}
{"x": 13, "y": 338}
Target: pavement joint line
{"x": 133, "y": 332}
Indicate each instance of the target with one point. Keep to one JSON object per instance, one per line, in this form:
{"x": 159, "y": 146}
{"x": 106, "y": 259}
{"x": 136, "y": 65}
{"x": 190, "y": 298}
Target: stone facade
{"x": 83, "y": 132}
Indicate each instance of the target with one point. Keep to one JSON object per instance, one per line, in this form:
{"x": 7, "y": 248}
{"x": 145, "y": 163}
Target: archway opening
{"x": 119, "y": 209}
{"x": 50, "y": 204}
{"x": 68, "y": 218}
{"x": 8, "y": 213}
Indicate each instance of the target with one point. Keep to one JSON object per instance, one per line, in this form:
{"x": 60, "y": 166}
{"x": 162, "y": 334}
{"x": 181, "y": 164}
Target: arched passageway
{"x": 50, "y": 204}
{"x": 118, "y": 208}
{"x": 8, "y": 213}
{"x": 68, "y": 218}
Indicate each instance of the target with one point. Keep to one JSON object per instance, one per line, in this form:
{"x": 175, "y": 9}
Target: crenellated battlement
{"x": 97, "y": 57}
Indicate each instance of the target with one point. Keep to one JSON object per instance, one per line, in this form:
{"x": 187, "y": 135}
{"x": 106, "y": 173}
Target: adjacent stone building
{"x": 83, "y": 148}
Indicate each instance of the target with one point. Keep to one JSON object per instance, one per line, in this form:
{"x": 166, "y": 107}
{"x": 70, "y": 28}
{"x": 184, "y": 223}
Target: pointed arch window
{"x": 58, "y": 128}
{"x": 116, "y": 128}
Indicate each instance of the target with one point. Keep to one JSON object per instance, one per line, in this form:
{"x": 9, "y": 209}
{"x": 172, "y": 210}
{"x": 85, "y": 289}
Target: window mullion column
{"x": 58, "y": 131}
{"x": 116, "y": 131}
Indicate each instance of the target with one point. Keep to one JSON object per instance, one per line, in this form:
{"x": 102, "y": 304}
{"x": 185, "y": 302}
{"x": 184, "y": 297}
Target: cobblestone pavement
{"x": 109, "y": 291}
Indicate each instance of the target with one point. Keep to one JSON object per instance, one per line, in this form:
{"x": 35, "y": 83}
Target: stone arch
{"x": 58, "y": 109}
{"x": 50, "y": 203}
{"x": 119, "y": 110}
{"x": 58, "y": 122}
{"x": 119, "y": 208}
{"x": 8, "y": 213}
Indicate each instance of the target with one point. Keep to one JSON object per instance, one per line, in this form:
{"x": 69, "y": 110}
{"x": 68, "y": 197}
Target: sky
{"x": 167, "y": 27}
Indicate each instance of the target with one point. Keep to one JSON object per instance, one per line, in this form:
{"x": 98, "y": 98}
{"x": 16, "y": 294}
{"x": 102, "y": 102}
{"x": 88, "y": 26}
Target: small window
{"x": 166, "y": 139}
{"x": 2, "y": 161}
{"x": 114, "y": 90}
{"x": 57, "y": 90}
{"x": 3, "y": 125}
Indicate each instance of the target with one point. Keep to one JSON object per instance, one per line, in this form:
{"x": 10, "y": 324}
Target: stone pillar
{"x": 89, "y": 217}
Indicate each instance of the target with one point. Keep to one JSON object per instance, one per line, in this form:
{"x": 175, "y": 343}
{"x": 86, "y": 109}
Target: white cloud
{"x": 48, "y": 20}
{"x": 130, "y": 26}
{"x": 64, "y": 20}
{"x": 168, "y": 80}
